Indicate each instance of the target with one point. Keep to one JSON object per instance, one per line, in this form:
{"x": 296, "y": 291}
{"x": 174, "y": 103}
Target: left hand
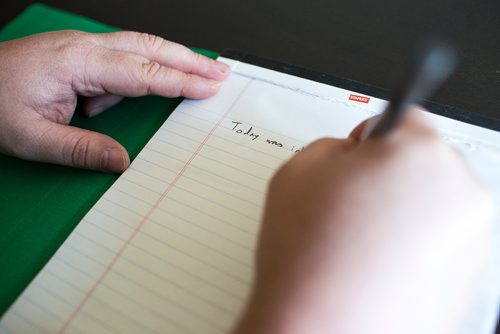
{"x": 41, "y": 76}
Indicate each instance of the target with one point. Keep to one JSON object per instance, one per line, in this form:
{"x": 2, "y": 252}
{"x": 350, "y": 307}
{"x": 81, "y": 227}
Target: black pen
{"x": 431, "y": 67}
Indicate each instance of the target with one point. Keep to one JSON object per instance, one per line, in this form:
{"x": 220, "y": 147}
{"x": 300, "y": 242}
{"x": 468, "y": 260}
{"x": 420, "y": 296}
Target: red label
{"x": 359, "y": 98}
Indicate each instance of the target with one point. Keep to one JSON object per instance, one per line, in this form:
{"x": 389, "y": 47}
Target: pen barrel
{"x": 430, "y": 69}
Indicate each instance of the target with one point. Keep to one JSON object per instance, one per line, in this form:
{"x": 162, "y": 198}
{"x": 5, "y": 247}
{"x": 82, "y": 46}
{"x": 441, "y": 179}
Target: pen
{"x": 430, "y": 68}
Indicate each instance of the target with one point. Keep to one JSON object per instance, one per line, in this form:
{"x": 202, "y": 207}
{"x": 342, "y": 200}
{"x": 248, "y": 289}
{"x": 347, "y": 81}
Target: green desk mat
{"x": 41, "y": 203}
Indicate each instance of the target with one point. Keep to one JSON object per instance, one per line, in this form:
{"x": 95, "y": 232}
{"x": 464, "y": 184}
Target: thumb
{"x": 75, "y": 147}
{"x": 358, "y": 131}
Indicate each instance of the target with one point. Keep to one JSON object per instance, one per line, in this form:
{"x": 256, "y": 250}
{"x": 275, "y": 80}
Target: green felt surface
{"x": 41, "y": 203}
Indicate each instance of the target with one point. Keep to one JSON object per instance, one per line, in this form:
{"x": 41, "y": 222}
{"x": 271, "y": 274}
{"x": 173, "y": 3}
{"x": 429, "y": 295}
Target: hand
{"x": 41, "y": 76}
{"x": 378, "y": 236}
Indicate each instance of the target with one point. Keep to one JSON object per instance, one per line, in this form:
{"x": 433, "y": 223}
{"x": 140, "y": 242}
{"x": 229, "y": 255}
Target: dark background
{"x": 362, "y": 40}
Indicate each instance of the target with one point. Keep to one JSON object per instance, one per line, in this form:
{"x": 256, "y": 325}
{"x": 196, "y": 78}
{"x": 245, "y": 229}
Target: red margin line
{"x": 148, "y": 214}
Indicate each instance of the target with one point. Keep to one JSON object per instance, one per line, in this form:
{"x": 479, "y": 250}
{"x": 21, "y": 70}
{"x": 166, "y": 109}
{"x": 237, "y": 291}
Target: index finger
{"x": 127, "y": 74}
{"x": 164, "y": 52}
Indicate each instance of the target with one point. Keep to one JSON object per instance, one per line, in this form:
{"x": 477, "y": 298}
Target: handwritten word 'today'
{"x": 248, "y": 130}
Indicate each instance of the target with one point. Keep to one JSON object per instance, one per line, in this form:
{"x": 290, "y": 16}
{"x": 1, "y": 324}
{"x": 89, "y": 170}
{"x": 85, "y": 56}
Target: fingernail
{"x": 113, "y": 160}
{"x": 221, "y": 67}
{"x": 96, "y": 110}
{"x": 215, "y": 85}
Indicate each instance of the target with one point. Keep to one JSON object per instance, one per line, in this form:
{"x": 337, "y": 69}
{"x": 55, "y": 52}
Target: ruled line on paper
{"x": 28, "y": 321}
{"x": 152, "y": 273}
{"x": 212, "y": 173}
{"x": 164, "y": 279}
{"x": 274, "y": 133}
{"x": 197, "y": 106}
{"x": 58, "y": 297}
{"x": 229, "y": 141}
{"x": 226, "y": 139}
{"x": 193, "y": 223}
{"x": 168, "y": 245}
{"x": 206, "y": 214}
{"x": 143, "y": 221}
{"x": 171, "y": 301}
{"x": 249, "y": 161}
{"x": 158, "y": 314}
{"x": 197, "y": 181}
{"x": 189, "y": 237}
{"x": 194, "y": 194}
{"x": 227, "y": 165}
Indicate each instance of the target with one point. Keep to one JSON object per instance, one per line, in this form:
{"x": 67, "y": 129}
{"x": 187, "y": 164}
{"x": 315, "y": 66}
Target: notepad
{"x": 170, "y": 247}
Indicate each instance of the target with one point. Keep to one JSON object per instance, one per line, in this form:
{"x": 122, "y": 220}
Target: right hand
{"x": 385, "y": 235}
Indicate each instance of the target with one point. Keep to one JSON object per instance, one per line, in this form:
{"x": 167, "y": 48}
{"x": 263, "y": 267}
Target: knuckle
{"x": 149, "y": 72}
{"x": 151, "y": 42}
{"x": 76, "y": 154}
{"x": 185, "y": 80}
{"x": 68, "y": 48}
{"x": 202, "y": 64}
{"x": 72, "y": 53}
{"x": 327, "y": 147}
{"x": 179, "y": 83}
{"x": 75, "y": 42}
{"x": 429, "y": 134}
{"x": 320, "y": 144}
{"x": 200, "y": 60}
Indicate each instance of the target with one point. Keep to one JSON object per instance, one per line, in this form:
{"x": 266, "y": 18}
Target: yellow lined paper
{"x": 169, "y": 248}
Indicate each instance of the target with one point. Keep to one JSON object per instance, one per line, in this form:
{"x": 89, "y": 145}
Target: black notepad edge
{"x": 356, "y": 86}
